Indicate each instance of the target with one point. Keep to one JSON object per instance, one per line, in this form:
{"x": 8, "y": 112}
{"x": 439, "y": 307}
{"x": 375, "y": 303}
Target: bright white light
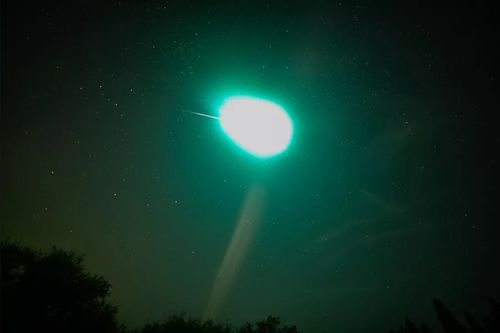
{"x": 260, "y": 127}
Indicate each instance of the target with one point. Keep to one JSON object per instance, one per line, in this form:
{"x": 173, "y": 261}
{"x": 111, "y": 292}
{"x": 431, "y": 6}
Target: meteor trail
{"x": 202, "y": 114}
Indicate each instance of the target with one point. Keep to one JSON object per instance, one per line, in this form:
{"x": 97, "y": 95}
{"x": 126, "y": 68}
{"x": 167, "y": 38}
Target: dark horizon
{"x": 384, "y": 200}
{"x": 51, "y": 291}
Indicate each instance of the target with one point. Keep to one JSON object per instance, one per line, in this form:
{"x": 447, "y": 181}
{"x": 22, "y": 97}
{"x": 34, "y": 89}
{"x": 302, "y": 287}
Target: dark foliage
{"x": 409, "y": 327}
{"x": 474, "y": 325}
{"x": 269, "y": 325}
{"x": 52, "y": 293}
{"x": 425, "y": 329}
{"x": 492, "y": 323}
{"x": 448, "y": 321}
{"x": 181, "y": 324}
{"x": 451, "y": 325}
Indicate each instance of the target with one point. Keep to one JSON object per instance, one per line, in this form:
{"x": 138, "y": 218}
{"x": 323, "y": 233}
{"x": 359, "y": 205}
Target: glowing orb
{"x": 260, "y": 127}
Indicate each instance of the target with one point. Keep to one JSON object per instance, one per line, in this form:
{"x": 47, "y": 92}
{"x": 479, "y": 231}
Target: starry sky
{"x": 384, "y": 200}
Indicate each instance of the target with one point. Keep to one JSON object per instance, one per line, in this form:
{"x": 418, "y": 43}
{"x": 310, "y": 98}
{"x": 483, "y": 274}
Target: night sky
{"x": 384, "y": 200}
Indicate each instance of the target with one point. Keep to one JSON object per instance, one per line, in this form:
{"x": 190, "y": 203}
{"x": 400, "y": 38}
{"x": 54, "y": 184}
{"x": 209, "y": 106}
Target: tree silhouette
{"x": 493, "y": 320}
{"x": 181, "y": 324}
{"x": 475, "y": 326}
{"x": 52, "y": 293}
{"x": 424, "y": 328}
{"x": 409, "y": 327}
{"x": 451, "y": 325}
{"x": 269, "y": 325}
{"x": 448, "y": 321}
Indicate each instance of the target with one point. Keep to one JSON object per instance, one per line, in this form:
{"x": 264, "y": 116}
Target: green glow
{"x": 258, "y": 126}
